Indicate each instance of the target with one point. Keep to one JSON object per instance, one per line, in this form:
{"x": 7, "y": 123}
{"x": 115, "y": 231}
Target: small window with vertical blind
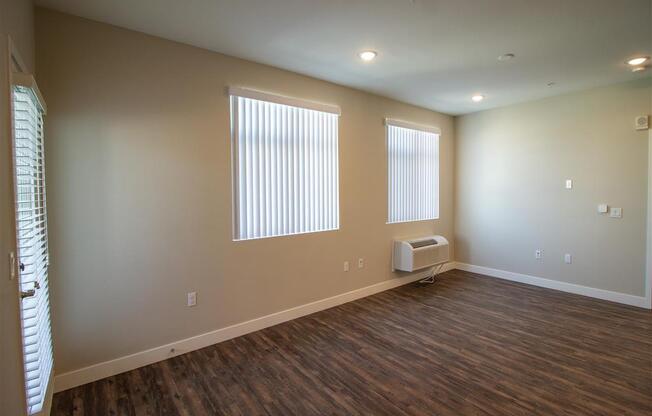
{"x": 412, "y": 172}
{"x": 285, "y": 165}
{"x": 32, "y": 242}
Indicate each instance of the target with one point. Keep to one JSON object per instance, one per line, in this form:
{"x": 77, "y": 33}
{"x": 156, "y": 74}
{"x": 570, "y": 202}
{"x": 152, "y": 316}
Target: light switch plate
{"x": 568, "y": 259}
{"x": 12, "y": 265}
{"x": 569, "y": 184}
{"x": 603, "y": 208}
{"x": 616, "y": 212}
{"x": 192, "y": 299}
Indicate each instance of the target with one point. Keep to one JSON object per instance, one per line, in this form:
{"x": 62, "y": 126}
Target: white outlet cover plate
{"x": 603, "y": 208}
{"x": 641, "y": 122}
{"x": 616, "y": 212}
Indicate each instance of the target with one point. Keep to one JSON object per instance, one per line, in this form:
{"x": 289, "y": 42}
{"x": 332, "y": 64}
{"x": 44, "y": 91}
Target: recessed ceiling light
{"x": 477, "y": 98}
{"x": 638, "y": 60}
{"x": 506, "y": 57}
{"x": 368, "y": 55}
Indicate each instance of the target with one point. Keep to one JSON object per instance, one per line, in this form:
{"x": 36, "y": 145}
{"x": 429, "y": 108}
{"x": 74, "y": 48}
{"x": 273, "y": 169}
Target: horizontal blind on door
{"x": 413, "y": 174}
{"x": 285, "y": 161}
{"x": 31, "y": 226}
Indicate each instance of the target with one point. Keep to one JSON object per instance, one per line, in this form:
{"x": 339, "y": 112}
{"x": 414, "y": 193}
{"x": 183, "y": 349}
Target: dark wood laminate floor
{"x": 467, "y": 345}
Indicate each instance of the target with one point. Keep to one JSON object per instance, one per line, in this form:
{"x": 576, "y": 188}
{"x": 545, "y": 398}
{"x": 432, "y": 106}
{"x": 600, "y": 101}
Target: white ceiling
{"x": 432, "y": 53}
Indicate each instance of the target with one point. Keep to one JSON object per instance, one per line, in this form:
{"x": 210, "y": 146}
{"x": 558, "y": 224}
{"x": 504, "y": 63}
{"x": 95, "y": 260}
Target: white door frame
{"x": 13, "y": 380}
{"x": 648, "y": 267}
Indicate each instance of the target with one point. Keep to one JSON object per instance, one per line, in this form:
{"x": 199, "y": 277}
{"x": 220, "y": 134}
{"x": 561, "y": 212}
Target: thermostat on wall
{"x": 642, "y": 123}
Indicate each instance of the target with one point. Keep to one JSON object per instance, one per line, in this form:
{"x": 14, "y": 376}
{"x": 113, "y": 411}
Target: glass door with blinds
{"x": 32, "y": 239}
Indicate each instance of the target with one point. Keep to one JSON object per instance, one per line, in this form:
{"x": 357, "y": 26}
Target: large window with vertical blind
{"x": 412, "y": 172}
{"x": 285, "y": 165}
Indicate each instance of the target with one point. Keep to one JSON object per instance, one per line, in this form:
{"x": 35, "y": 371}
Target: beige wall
{"x": 139, "y": 188}
{"x": 16, "y": 20}
{"x": 511, "y": 167}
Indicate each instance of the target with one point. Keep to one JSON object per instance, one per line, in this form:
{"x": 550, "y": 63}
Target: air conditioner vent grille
{"x": 423, "y": 243}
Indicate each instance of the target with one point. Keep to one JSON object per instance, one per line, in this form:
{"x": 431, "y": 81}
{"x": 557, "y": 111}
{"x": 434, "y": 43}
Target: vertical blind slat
{"x": 286, "y": 179}
{"x": 413, "y": 174}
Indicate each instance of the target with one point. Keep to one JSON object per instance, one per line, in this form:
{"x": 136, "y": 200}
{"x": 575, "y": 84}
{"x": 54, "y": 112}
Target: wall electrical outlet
{"x": 346, "y": 266}
{"x": 192, "y": 299}
{"x": 568, "y": 259}
{"x": 616, "y": 212}
{"x": 360, "y": 263}
{"x": 641, "y": 122}
{"x": 538, "y": 253}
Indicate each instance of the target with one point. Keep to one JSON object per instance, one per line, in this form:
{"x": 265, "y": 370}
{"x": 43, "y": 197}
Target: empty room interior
{"x": 325, "y": 207}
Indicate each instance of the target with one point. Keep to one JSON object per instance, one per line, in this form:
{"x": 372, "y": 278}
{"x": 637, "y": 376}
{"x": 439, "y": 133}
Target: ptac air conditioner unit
{"x": 419, "y": 253}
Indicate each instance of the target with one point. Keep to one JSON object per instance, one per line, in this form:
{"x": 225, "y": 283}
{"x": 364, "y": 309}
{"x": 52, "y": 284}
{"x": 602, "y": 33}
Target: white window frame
{"x": 239, "y": 92}
{"x": 390, "y": 122}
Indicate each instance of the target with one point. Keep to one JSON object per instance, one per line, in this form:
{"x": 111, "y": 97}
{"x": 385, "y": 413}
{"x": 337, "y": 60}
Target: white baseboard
{"x": 130, "y": 362}
{"x": 632, "y": 300}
